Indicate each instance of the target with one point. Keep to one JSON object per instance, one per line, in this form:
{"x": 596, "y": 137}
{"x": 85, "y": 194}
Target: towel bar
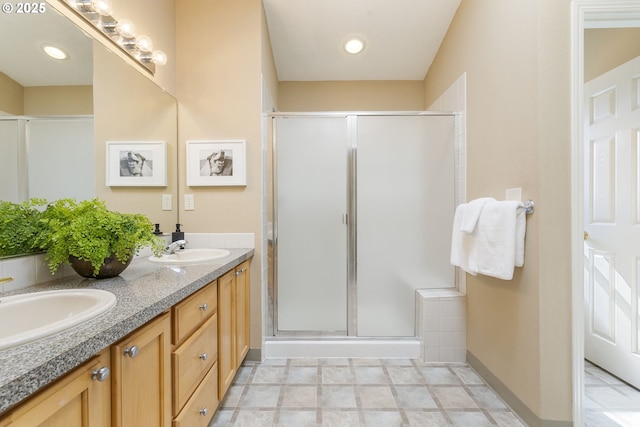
{"x": 529, "y": 207}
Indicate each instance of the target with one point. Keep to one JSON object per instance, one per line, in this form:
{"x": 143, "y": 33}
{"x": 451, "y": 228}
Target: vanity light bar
{"x": 122, "y": 33}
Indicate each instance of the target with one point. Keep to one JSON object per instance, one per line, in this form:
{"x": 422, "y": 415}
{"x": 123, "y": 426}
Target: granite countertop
{"x": 143, "y": 291}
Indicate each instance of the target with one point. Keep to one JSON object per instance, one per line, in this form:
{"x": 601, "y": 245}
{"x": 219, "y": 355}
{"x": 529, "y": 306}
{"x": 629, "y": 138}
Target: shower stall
{"x": 360, "y": 213}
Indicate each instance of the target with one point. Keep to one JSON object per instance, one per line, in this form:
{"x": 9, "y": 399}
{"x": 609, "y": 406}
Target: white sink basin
{"x": 191, "y": 256}
{"x": 29, "y": 317}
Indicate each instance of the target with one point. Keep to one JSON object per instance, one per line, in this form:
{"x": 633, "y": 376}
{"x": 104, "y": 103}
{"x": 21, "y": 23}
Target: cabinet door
{"x": 226, "y": 331}
{"x": 142, "y": 376}
{"x": 80, "y": 399}
{"x": 243, "y": 310}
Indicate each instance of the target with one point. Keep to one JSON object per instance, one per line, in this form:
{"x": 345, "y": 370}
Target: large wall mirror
{"x": 57, "y": 115}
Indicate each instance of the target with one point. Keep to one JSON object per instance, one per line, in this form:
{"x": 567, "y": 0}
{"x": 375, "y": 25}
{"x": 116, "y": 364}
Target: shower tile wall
{"x": 455, "y": 99}
{"x": 441, "y": 325}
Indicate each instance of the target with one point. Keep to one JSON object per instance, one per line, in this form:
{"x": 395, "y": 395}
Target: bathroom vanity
{"x": 171, "y": 345}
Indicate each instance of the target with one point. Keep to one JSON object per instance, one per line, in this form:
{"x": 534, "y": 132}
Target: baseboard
{"x": 254, "y": 355}
{"x": 523, "y": 411}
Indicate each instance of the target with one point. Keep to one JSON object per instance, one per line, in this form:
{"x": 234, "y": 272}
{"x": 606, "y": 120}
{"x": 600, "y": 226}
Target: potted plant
{"x": 96, "y": 242}
{"x": 19, "y": 226}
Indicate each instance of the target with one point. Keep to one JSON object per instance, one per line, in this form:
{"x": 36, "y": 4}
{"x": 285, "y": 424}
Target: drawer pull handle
{"x": 203, "y": 411}
{"x": 203, "y": 356}
{"x": 131, "y": 351}
{"x": 100, "y": 374}
{"x": 204, "y": 307}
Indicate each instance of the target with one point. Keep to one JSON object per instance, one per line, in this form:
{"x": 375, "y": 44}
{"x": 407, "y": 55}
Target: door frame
{"x": 585, "y": 14}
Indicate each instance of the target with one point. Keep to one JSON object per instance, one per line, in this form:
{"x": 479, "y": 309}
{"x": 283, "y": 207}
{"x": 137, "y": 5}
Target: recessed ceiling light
{"x": 354, "y": 46}
{"x": 54, "y": 52}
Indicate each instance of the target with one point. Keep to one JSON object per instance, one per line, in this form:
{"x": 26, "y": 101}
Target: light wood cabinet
{"x": 195, "y": 369}
{"x": 141, "y": 376}
{"x": 172, "y": 371}
{"x": 81, "y": 399}
{"x": 226, "y": 328}
{"x": 243, "y": 311}
{"x": 233, "y": 323}
{"x": 199, "y": 410}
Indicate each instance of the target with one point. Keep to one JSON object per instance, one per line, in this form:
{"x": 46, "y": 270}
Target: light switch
{"x": 513, "y": 194}
{"x": 189, "y": 202}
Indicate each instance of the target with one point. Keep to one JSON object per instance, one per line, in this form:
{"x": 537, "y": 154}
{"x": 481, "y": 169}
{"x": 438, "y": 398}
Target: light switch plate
{"x": 189, "y": 202}
{"x": 166, "y": 202}
{"x": 513, "y": 194}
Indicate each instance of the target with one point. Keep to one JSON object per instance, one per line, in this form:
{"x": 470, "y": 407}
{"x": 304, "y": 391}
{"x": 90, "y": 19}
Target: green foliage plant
{"x": 19, "y": 226}
{"x": 91, "y": 232}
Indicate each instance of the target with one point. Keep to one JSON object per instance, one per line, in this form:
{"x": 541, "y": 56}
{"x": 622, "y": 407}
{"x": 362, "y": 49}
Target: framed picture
{"x": 222, "y": 163}
{"x": 136, "y": 163}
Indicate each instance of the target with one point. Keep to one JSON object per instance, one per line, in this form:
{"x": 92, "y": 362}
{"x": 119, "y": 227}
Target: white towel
{"x": 496, "y": 245}
{"x": 472, "y": 213}
{"x": 495, "y": 239}
{"x": 521, "y": 230}
{"x": 461, "y": 242}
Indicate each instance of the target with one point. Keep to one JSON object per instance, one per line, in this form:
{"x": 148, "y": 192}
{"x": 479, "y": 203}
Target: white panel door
{"x": 612, "y": 221}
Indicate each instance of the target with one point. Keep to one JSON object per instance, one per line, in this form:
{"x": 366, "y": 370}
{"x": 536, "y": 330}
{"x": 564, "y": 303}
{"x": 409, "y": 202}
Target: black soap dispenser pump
{"x": 177, "y": 235}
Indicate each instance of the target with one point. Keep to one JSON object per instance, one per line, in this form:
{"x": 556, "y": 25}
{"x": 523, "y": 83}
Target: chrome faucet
{"x": 173, "y": 247}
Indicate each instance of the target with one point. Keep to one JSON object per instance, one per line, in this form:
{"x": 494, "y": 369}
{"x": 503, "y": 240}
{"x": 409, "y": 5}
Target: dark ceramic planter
{"x": 111, "y": 268}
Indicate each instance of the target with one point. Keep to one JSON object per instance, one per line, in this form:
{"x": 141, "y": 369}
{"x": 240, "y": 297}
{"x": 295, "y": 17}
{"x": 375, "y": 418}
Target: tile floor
{"x": 608, "y": 401}
{"x": 360, "y": 392}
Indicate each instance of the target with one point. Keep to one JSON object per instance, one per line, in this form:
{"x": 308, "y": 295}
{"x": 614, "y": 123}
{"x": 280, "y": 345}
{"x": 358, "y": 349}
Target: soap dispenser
{"x": 177, "y": 235}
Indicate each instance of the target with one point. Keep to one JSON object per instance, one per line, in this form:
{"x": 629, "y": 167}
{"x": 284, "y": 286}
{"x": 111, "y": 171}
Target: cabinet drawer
{"x": 192, "y": 360}
{"x": 190, "y": 313}
{"x": 200, "y": 408}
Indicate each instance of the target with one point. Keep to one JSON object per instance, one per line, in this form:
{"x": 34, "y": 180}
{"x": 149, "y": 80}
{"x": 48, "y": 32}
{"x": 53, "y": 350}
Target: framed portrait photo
{"x": 221, "y": 163}
{"x": 136, "y": 163}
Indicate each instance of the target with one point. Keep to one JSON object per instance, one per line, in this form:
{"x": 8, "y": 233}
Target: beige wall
{"x": 58, "y": 100}
{"x": 606, "y": 48}
{"x": 12, "y": 99}
{"x": 219, "y": 86}
{"x": 518, "y": 135}
{"x": 351, "y": 96}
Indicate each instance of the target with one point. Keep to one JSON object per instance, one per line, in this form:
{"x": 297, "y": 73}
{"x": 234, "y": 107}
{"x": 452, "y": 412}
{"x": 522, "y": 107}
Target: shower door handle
{"x": 345, "y": 219}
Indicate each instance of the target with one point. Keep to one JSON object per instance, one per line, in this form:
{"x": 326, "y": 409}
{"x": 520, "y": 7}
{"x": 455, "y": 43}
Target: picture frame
{"x": 216, "y": 163}
{"x": 136, "y": 164}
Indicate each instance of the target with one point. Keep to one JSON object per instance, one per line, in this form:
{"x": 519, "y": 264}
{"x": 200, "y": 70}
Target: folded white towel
{"x": 461, "y": 243}
{"x": 521, "y": 230}
{"x": 496, "y": 244}
{"x": 495, "y": 239}
{"x": 472, "y": 213}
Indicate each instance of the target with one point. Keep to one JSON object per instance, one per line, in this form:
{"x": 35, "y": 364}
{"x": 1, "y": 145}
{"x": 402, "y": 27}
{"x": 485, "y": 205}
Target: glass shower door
{"x": 311, "y": 185}
{"x": 405, "y": 202}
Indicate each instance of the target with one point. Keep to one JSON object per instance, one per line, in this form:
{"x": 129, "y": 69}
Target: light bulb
{"x": 144, "y": 43}
{"x": 159, "y": 57}
{"x": 103, "y": 7}
{"x": 55, "y": 52}
{"x": 354, "y": 46}
{"x": 126, "y": 29}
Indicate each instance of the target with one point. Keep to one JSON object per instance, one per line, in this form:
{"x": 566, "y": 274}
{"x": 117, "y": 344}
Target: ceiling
{"x": 21, "y": 57}
{"x": 401, "y": 37}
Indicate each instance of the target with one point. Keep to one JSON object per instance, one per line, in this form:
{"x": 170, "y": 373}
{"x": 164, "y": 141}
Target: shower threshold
{"x": 336, "y": 346}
